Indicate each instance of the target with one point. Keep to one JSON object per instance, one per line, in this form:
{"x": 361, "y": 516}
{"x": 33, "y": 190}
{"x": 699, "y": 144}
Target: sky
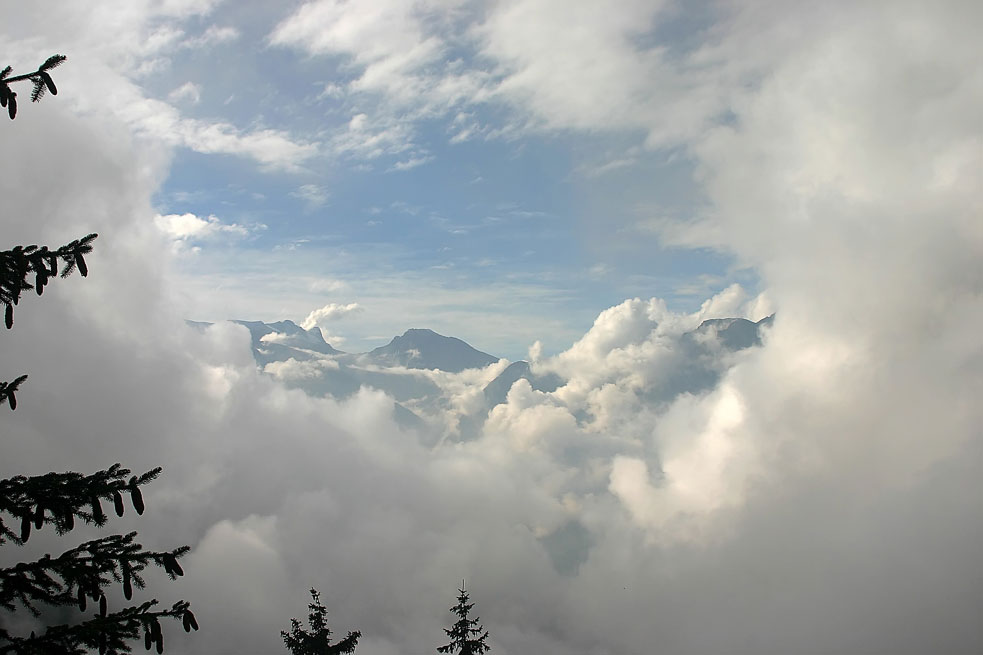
{"x": 574, "y": 183}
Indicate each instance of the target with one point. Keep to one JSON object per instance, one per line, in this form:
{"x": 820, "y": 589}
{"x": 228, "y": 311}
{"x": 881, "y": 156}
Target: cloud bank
{"x": 823, "y": 496}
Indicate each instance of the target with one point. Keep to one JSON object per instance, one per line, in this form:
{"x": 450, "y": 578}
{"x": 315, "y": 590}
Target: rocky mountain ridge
{"x": 410, "y": 367}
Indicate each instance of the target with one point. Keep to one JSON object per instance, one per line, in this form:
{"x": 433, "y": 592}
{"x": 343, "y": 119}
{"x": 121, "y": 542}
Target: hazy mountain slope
{"x": 425, "y": 349}
{"x": 497, "y": 390}
{"x": 302, "y": 359}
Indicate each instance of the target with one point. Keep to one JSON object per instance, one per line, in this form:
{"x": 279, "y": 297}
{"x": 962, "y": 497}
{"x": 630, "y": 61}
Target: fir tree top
{"x": 317, "y": 640}
{"x": 467, "y": 635}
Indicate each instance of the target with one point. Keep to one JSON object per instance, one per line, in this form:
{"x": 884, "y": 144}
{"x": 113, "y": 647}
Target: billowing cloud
{"x": 817, "y": 494}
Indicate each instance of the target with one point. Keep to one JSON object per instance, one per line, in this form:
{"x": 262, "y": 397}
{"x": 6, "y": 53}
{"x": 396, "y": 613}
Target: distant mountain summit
{"x": 287, "y": 334}
{"x": 734, "y": 333}
{"x": 497, "y": 391}
{"x": 425, "y": 349}
{"x": 302, "y": 359}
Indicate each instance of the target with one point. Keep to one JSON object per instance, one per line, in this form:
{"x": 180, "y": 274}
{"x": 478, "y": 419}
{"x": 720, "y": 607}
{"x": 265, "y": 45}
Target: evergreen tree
{"x": 60, "y": 499}
{"x": 317, "y": 641}
{"x": 467, "y": 635}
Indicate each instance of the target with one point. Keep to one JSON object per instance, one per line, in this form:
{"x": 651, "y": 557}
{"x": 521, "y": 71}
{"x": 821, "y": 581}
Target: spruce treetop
{"x": 317, "y": 640}
{"x": 467, "y": 635}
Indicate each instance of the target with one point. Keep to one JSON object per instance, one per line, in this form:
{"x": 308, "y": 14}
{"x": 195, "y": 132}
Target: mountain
{"x": 401, "y": 369}
{"x": 425, "y": 349}
{"x": 327, "y": 371}
{"x": 734, "y": 333}
{"x": 497, "y": 390}
{"x": 289, "y": 335}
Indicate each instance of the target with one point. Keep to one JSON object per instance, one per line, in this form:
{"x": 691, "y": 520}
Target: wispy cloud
{"x": 188, "y": 91}
{"x": 314, "y": 195}
{"x": 411, "y": 163}
{"x": 190, "y": 226}
{"x": 329, "y": 313}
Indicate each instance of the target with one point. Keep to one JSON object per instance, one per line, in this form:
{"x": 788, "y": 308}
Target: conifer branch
{"x": 109, "y": 633}
{"x": 40, "y": 78}
{"x": 60, "y": 498}
{"x": 8, "y": 390}
{"x": 18, "y": 263}
{"x": 82, "y": 572}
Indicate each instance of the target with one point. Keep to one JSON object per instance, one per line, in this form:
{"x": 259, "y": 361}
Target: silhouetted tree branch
{"x": 109, "y": 633}
{"x": 40, "y": 78}
{"x": 17, "y": 265}
{"x": 82, "y": 572}
{"x": 60, "y": 499}
{"x": 21, "y": 262}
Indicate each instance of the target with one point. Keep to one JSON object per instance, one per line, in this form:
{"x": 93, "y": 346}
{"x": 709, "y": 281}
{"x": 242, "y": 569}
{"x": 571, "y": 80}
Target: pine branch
{"x": 82, "y": 572}
{"x": 8, "y": 389}
{"x": 60, "y": 498}
{"x": 40, "y": 78}
{"x": 109, "y": 633}
{"x": 22, "y": 261}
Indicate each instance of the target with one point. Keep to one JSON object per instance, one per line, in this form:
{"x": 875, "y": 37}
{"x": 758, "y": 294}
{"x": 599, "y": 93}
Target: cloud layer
{"x": 823, "y": 496}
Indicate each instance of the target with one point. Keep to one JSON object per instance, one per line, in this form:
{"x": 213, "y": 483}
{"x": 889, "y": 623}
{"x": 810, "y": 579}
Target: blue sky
{"x": 512, "y": 172}
{"x": 474, "y": 203}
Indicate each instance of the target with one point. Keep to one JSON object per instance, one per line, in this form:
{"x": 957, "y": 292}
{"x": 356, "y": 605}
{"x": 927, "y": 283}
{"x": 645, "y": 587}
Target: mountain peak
{"x": 287, "y": 334}
{"x": 425, "y": 349}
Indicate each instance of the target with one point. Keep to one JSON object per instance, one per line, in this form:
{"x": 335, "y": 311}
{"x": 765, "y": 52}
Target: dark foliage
{"x": 317, "y": 640}
{"x": 60, "y": 499}
{"x": 40, "y": 78}
{"x": 467, "y": 635}
{"x": 107, "y": 632}
{"x": 22, "y": 265}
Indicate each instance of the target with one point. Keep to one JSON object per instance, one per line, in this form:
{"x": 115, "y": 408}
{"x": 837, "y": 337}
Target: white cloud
{"x": 411, "y": 163}
{"x": 395, "y": 47}
{"x": 391, "y": 42}
{"x": 214, "y": 34}
{"x": 827, "y": 475}
{"x": 294, "y": 370}
{"x": 270, "y": 147}
{"x": 314, "y": 195}
{"x": 188, "y": 91}
{"x": 326, "y": 285}
{"x": 555, "y": 66}
{"x": 190, "y": 227}
{"x": 105, "y": 74}
{"x": 330, "y": 312}
{"x": 369, "y": 139}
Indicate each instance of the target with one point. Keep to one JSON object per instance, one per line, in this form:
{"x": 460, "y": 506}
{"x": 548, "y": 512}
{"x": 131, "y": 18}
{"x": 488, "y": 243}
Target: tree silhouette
{"x": 40, "y": 78}
{"x": 317, "y": 641}
{"x": 60, "y": 499}
{"x": 467, "y": 635}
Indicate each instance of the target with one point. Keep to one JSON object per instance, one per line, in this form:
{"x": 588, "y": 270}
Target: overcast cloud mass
{"x": 345, "y": 165}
